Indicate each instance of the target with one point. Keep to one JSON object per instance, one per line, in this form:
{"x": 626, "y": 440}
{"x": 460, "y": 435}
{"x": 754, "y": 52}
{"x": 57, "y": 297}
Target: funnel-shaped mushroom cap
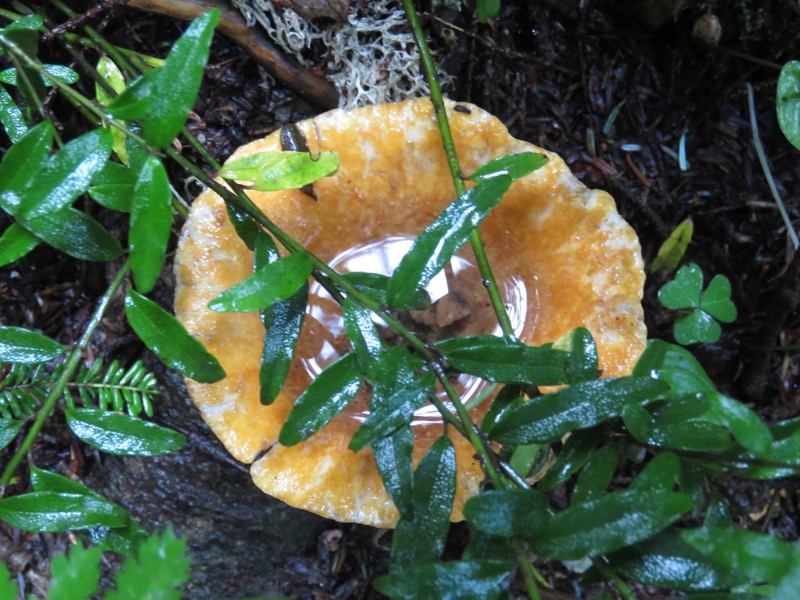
{"x": 561, "y": 252}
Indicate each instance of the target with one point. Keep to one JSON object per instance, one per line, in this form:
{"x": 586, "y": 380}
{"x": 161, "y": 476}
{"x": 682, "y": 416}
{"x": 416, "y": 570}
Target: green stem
{"x": 609, "y": 574}
{"x": 478, "y": 248}
{"x": 73, "y": 361}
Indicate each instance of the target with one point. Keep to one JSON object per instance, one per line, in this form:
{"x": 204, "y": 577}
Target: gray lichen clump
{"x": 369, "y": 56}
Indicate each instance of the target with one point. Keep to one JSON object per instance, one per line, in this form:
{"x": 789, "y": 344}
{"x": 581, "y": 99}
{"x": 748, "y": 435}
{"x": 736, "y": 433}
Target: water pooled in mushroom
{"x": 459, "y": 306}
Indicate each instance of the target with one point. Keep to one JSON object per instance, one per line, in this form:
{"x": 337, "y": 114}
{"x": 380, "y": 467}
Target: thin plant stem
{"x": 72, "y": 363}
{"x": 476, "y": 242}
{"x": 762, "y": 158}
{"x": 623, "y": 588}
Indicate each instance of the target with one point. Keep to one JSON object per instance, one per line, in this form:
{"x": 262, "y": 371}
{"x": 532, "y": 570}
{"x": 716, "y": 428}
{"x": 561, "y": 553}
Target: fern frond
{"x": 23, "y": 388}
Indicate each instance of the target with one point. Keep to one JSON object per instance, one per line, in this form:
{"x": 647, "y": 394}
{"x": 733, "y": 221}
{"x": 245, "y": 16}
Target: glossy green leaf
{"x": 363, "y": 335}
{"x": 692, "y": 435}
{"x": 162, "y": 98}
{"x": 421, "y": 538}
{"x": 394, "y": 412}
{"x": 279, "y": 170}
{"x": 65, "y": 176}
{"x": 457, "y": 580}
{"x": 18, "y": 345}
{"x": 745, "y": 425}
{"x": 76, "y": 234}
{"x": 674, "y": 365}
{"x": 120, "y": 540}
{"x": 169, "y": 340}
{"x": 246, "y": 227}
{"x": 596, "y": 475}
{"x": 53, "y": 512}
{"x": 515, "y": 166}
{"x": 8, "y": 589}
{"x": 507, "y": 513}
{"x": 667, "y": 561}
{"x": 16, "y": 242}
{"x": 269, "y": 284}
{"x": 579, "y": 406}
{"x": 158, "y": 569}
{"x": 27, "y": 25}
{"x": 762, "y": 558}
{"x": 495, "y": 359}
{"x": 786, "y": 588}
{"x": 674, "y": 247}
{"x": 697, "y": 327}
{"x": 325, "y": 397}
{"x": 716, "y": 300}
{"x": 375, "y": 284}
{"x": 576, "y": 451}
{"x": 283, "y": 322}
{"x": 661, "y": 473}
{"x": 787, "y": 102}
{"x": 684, "y": 290}
{"x": 440, "y": 240}
{"x": 151, "y": 223}
{"x": 118, "y": 433}
{"x": 393, "y": 459}
{"x": 114, "y": 196}
{"x": 75, "y": 576}
{"x": 11, "y": 117}
{"x": 9, "y": 429}
{"x": 608, "y": 523}
{"x": 23, "y": 163}
{"x": 111, "y": 74}
{"x": 60, "y": 72}
{"x": 508, "y": 398}
{"x": 583, "y": 363}
{"x": 47, "y": 481}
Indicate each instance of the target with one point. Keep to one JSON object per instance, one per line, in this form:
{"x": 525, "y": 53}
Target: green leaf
{"x": 11, "y": 117}
{"x": 674, "y": 365}
{"x": 279, "y": 170}
{"x": 65, "y": 176}
{"x": 8, "y": 589}
{"x": 583, "y": 362}
{"x": 488, "y": 9}
{"x": 576, "y": 451}
{"x": 437, "y": 244}
{"x": 375, "y": 284}
{"x": 325, "y": 397}
{"x": 661, "y": 473}
{"x": 364, "y": 337}
{"x": 283, "y": 322}
{"x": 579, "y": 406}
{"x": 121, "y": 540}
{"x": 596, "y": 475}
{"x": 421, "y": 538}
{"x": 151, "y": 223}
{"x": 169, "y": 340}
{"x": 393, "y": 412}
{"x": 18, "y": 345}
{"x": 684, "y": 291}
{"x": 762, "y": 558}
{"x": 269, "y": 284}
{"x": 495, "y": 359}
{"x": 745, "y": 425}
{"x": 75, "y": 234}
{"x": 507, "y": 513}
{"x": 162, "y": 98}
{"x": 667, "y": 561}
{"x": 60, "y": 72}
{"x": 458, "y": 580}
{"x": 789, "y": 584}
{"x": 77, "y": 576}
{"x": 608, "y": 523}
{"x": 787, "y": 102}
{"x": 393, "y": 460}
{"x": 53, "y": 512}
{"x": 696, "y": 327}
{"x": 24, "y": 161}
{"x": 117, "y": 433}
{"x": 47, "y": 481}
{"x": 9, "y": 429}
{"x": 674, "y": 247}
{"x": 716, "y": 300}
{"x": 15, "y": 243}
{"x": 160, "y": 567}
{"x": 515, "y": 166}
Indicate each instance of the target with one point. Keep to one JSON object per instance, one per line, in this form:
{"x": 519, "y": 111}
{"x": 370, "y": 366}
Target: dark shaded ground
{"x": 553, "y": 71}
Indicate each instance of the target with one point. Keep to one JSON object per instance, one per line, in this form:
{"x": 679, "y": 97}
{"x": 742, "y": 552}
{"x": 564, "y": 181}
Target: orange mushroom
{"x": 563, "y": 256}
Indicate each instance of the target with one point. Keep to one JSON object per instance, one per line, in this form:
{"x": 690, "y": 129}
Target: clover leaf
{"x": 685, "y": 292}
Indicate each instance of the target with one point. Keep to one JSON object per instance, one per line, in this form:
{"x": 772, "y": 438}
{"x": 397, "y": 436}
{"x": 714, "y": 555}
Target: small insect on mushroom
{"x": 293, "y": 140}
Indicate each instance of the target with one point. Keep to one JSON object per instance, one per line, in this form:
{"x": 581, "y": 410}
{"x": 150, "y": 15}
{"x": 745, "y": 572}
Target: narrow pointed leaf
{"x": 375, "y": 284}
{"x": 394, "y": 463}
{"x": 169, "y": 340}
{"x": 608, "y": 523}
{"x": 15, "y": 243}
{"x": 579, "y": 406}
{"x": 507, "y": 513}
{"x": 515, "y": 166}
{"x": 9, "y": 429}
{"x": 11, "y": 117}
{"x": 674, "y": 247}
{"x": 60, "y": 72}
{"x": 596, "y": 475}
{"x": 24, "y": 161}
{"x": 151, "y": 223}
{"x": 162, "y": 98}
{"x": 53, "y": 512}
{"x": 674, "y": 365}
{"x": 117, "y": 433}
{"x": 745, "y": 425}
{"x": 456, "y": 580}
{"x": 327, "y": 395}
{"x": 661, "y": 473}
{"x": 496, "y": 359}
{"x": 75, "y": 576}
{"x": 272, "y": 282}
{"x": 583, "y": 364}
{"x": 279, "y": 170}
{"x": 435, "y": 246}
{"x": 573, "y": 456}
{"x": 18, "y": 345}
{"x": 65, "y": 176}
{"x": 421, "y": 539}
{"x": 74, "y": 233}
{"x": 364, "y": 337}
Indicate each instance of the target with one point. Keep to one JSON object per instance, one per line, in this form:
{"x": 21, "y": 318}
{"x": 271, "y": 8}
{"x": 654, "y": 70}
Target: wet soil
{"x": 617, "y": 89}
